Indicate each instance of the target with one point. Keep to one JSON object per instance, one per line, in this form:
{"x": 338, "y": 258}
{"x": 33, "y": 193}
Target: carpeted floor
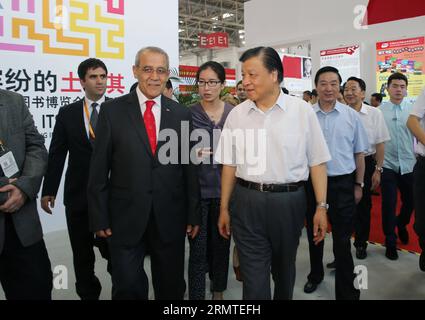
{"x": 377, "y": 233}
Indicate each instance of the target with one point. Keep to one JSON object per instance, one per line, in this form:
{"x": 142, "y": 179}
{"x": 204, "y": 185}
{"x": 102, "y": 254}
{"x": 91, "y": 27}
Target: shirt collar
{"x": 99, "y": 102}
{"x": 280, "y": 102}
{"x": 142, "y": 98}
{"x": 338, "y": 107}
{"x": 401, "y": 105}
{"x": 363, "y": 109}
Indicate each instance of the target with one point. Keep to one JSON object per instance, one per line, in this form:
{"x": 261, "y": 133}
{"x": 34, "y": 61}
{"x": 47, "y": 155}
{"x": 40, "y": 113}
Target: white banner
{"x": 346, "y": 60}
{"x": 43, "y": 42}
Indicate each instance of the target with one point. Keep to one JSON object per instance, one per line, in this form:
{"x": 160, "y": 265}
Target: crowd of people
{"x": 263, "y": 164}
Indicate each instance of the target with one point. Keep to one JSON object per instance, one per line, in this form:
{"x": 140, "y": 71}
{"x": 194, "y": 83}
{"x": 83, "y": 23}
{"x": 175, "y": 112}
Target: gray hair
{"x": 151, "y": 49}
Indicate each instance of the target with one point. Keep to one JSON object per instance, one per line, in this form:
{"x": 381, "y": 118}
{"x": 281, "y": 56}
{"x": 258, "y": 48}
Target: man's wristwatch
{"x": 322, "y": 205}
{"x": 380, "y": 169}
{"x": 360, "y": 184}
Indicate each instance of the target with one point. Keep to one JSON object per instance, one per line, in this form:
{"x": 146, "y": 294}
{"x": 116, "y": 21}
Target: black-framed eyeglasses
{"x": 211, "y": 83}
{"x": 159, "y": 71}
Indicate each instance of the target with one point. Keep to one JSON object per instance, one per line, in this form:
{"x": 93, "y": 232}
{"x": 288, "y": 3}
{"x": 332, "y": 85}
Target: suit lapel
{"x": 166, "y": 121}
{"x": 79, "y": 120}
{"x": 133, "y": 109}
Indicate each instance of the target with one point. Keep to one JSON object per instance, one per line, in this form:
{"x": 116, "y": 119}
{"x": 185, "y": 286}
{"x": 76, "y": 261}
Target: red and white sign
{"x": 345, "y": 59}
{"x": 346, "y": 50}
{"x": 401, "y": 43}
{"x": 214, "y": 40}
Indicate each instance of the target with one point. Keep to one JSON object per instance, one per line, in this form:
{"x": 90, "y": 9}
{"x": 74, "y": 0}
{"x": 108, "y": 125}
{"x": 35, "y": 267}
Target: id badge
{"x": 8, "y": 164}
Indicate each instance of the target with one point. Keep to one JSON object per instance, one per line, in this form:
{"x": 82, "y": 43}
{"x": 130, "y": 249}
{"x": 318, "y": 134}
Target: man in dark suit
{"x": 25, "y": 270}
{"x": 74, "y": 134}
{"x": 137, "y": 199}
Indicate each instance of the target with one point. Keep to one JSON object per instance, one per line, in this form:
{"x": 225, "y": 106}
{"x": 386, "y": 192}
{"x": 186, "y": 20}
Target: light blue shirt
{"x": 345, "y": 135}
{"x": 399, "y": 151}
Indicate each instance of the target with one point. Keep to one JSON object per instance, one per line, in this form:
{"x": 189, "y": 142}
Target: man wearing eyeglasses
{"x": 138, "y": 201}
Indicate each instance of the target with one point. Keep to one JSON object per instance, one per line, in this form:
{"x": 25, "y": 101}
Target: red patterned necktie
{"x": 149, "y": 120}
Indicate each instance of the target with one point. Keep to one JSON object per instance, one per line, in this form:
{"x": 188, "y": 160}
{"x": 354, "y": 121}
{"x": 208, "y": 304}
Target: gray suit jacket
{"x": 19, "y": 134}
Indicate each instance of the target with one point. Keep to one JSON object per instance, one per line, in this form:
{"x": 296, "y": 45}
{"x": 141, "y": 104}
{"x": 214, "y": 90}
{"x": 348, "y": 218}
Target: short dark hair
{"x": 325, "y": 70}
{"x": 361, "y": 83}
{"x": 308, "y": 92}
{"x": 397, "y": 76}
{"x": 90, "y": 63}
{"x": 169, "y": 84}
{"x": 378, "y": 96}
{"x": 270, "y": 58}
{"x": 214, "y": 66}
{"x": 314, "y": 93}
{"x": 239, "y": 82}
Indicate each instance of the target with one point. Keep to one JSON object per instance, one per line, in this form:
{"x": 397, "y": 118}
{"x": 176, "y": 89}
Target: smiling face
{"x": 328, "y": 87}
{"x": 151, "y": 73}
{"x": 353, "y": 94}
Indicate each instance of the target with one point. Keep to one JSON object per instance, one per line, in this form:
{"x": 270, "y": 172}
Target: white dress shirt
{"x": 156, "y": 109}
{"x": 89, "y": 106}
{"x": 277, "y": 146}
{"x": 419, "y": 111}
{"x": 376, "y": 128}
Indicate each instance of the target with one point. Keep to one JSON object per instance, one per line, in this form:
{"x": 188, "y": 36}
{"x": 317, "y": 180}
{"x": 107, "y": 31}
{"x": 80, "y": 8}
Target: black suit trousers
{"x": 363, "y": 208}
{"x": 341, "y": 213}
{"x": 129, "y": 278}
{"x": 25, "y": 272}
{"x": 82, "y": 243}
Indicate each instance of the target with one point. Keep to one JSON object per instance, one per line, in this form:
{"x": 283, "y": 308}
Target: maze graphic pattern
{"x": 86, "y": 21}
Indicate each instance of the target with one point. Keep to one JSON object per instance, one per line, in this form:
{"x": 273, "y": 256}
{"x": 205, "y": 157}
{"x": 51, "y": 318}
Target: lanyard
{"x": 86, "y": 111}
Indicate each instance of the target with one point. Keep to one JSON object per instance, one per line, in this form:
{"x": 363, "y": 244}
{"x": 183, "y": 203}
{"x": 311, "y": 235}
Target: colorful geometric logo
{"x": 63, "y": 27}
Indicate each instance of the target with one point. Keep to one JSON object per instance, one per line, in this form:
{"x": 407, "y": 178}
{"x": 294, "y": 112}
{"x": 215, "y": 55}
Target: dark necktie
{"x": 149, "y": 120}
{"x": 93, "y": 117}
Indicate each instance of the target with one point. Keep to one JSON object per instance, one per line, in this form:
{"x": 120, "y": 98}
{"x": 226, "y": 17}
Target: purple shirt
{"x": 209, "y": 174}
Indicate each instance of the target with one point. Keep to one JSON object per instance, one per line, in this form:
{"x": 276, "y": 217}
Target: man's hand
{"x": 376, "y": 180}
{"x": 104, "y": 233}
{"x": 16, "y": 198}
{"x": 358, "y": 193}
{"x": 224, "y": 223}
{"x": 192, "y": 231}
{"x": 47, "y": 202}
{"x": 320, "y": 225}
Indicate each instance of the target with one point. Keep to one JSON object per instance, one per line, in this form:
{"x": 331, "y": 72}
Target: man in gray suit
{"x": 25, "y": 270}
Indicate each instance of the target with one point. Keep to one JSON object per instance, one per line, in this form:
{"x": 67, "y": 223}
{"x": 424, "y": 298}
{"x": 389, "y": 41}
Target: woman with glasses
{"x": 209, "y": 252}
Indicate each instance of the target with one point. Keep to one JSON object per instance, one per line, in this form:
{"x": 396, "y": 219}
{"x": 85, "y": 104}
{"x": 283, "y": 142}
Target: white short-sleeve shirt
{"x": 277, "y": 146}
{"x": 419, "y": 111}
{"x": 374, "y": 124}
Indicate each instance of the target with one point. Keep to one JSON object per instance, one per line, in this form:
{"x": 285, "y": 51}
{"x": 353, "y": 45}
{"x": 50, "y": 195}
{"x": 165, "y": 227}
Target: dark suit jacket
{"x": 69, "y": 135}
{"x": 127, "y": 183}
{"x": 19, "y": 134}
